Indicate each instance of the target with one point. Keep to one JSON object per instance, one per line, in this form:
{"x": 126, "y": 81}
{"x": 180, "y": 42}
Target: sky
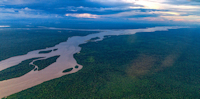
{"x": 147, "y": 11}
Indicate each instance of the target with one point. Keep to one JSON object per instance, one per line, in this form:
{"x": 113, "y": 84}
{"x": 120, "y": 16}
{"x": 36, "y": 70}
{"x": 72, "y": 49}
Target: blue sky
{"x": 163, "y": 11}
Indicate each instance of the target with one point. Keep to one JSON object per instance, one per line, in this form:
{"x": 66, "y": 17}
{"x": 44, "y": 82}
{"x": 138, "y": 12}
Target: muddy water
{"x": 66, "y": 50}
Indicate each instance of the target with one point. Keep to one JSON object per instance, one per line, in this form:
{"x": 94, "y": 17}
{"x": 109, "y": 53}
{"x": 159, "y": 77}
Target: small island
{"x": 45, "y": 52}
{"x": 93, "y": 39}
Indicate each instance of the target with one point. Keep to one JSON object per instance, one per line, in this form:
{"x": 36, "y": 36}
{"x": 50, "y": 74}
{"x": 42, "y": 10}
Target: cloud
{"x": 165, "y": 10}
{"x": 194, "y": 0}
{"x": 143, "y": 15}
{"x": 14, "y": 2}
{"x": 154, "y": 19}
{"x": 3, "y": 26}
{"x": 13, "y": 13}
{"x": 189, "y": 18}
{"x": 84, "y": 15}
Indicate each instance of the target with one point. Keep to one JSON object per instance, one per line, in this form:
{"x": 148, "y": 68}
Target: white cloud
{"x": 3, "y": 26}
{"x": 101, "y": 9}
{"x": 83, "y": 15}
{"x": 190, "y": 18}
{"x": 177, "y": 10}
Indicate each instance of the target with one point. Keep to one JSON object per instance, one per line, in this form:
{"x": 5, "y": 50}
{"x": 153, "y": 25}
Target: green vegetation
{"x": 45, "y": 62}
{"x": 17, "y": 71}
{"x": 45, "y": 52}
{"x": 67, "y": 70}
{"x": 19, "y": 42}
{"x": 76, "y": 66}
{"x": 55, "y": 49}
{"x": 159, "y": 65}
{"x": 93, "y": 39}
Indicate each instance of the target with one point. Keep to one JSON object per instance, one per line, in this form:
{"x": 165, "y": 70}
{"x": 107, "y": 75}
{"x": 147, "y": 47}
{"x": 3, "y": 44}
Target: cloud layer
{"x": 140, "y": 10}
{"x": 3, "y": 26}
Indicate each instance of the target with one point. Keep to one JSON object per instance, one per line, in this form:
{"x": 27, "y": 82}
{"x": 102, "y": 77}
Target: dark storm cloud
{"x": 39, "y": 8}
{"x": 52, "y": 4}
{"x": 61, "y": 7}
{"x": 143, "y": 15}
{"x": 98, "y": 11}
